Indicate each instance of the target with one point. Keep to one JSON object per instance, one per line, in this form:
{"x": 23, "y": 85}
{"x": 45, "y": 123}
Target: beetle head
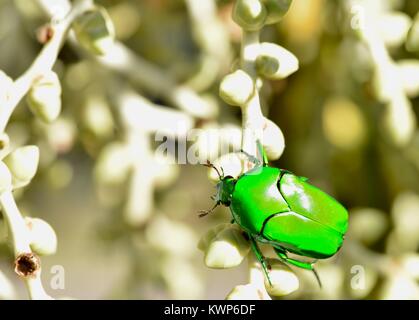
{"x": 225, "y": 186}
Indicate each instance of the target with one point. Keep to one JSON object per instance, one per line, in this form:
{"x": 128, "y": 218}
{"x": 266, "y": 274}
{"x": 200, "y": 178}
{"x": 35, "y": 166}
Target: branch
{"x": 44, "y": 61}
{"x": 27, "y": 264}
{"x": 252, "y": 117}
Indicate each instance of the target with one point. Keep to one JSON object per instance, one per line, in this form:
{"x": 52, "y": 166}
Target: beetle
{"x": 275, "y": 207}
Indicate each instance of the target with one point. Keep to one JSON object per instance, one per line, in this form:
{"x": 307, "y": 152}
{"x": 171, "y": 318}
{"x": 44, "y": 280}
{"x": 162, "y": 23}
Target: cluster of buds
{"x": 252, "y": 15}
{"x": 17, "y": 170}
{"x": 394, "y": 82}
{"x": 226, "y": 245}
{"x": 44, "y": 97}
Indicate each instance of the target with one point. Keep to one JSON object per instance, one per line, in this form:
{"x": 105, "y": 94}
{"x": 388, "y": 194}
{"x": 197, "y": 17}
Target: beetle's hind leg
{"x": 260, "y": 257}
{"x": 282, "y": 254}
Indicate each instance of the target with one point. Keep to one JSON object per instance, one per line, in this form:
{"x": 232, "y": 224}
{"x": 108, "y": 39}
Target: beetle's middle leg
{"x": 260, "y": 257}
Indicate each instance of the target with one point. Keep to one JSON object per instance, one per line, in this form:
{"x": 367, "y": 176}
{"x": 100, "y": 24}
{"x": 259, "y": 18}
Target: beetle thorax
{"x": 225, "y": 190}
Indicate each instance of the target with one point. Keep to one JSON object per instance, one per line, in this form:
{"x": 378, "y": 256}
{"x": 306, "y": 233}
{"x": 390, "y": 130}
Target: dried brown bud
{"x": 27, "y": 265}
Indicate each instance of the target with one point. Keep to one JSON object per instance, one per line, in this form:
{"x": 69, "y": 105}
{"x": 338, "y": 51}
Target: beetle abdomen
{"x": 301, "y": 235}
{"x": 311, "y": 202}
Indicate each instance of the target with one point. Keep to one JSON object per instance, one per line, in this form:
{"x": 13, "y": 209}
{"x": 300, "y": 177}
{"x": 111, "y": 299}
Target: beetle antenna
{"x": 317, "y": 277}
{"x": 203, "y": 213}
{"x": 210, "y": 165}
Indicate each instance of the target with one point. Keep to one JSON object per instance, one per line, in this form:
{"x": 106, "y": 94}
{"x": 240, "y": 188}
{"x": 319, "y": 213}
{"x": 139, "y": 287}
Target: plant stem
{"x": 252, "y": 131}
{"x": 252, "y": 117}
{"x": 20, "y": 241}
{"x": 16, "y": 223}
{"x": 149, "y": 76}
{"x": 43, "y": 63}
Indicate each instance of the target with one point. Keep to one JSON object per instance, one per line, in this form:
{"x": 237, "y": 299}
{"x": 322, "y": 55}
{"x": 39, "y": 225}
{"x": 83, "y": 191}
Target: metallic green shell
{"x": 256, "y": 197}
{"x": 302, "y": 236}
{"x": 291, "y": 214}
{"x": 313, "y": 203}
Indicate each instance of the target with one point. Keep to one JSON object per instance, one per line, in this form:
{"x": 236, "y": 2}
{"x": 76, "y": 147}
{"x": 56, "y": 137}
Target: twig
{"x": 43, "y": 63}
{"x": 252, "y": 117}
{"x": 252, "y": 130}
{"x": 27, "y": 264}
{"x": 149, "y": 76}
{"x": 20, "y": 241}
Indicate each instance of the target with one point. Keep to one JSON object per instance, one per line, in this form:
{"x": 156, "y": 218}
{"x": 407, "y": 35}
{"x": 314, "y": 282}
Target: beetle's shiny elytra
{"x": 276, "y": 207}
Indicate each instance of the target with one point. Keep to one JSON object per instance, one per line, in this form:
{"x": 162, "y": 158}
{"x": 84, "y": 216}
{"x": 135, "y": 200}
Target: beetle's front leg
{"x": 203, "y": 213}
{"x": 260, "y": 257}
{"x": 251, "y": 158}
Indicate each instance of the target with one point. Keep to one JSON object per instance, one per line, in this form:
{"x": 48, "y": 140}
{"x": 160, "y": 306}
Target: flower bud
{"x": 23, "y": 164}
{"x": 5, "y": 178}
{"x": 43, "y": 239}
{"x": 283, "y": 279}
{"x": 276, "y": 9}
{"x": 227, "y": 249}
{"x": 236, "y": 88}
{"x": 249, "y": 14}
{"x": 274, "y": 62}
{"x": 209, "y": 236}
{"x": 231, "y": 164}
{"x": 95, "y": 31}
{"x": 44, "y": 97}
{"x": 273, "y": 140}
{"x": 244, "y": 292}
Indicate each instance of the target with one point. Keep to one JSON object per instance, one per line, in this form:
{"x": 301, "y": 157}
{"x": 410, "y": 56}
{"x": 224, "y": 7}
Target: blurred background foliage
{"x": 330, "y": 115}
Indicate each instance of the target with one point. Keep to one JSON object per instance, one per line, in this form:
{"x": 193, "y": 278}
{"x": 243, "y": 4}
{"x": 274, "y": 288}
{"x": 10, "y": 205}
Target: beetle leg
{"x": 251, "y": 158}
{"x": 260, "y": 257}
{"x": 203, "y": 213}
{"x": 262, "y": 153}
{"x": 282, "y": 254}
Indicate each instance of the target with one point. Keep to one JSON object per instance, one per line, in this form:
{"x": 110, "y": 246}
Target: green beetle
{"x": 276, "y": 207}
